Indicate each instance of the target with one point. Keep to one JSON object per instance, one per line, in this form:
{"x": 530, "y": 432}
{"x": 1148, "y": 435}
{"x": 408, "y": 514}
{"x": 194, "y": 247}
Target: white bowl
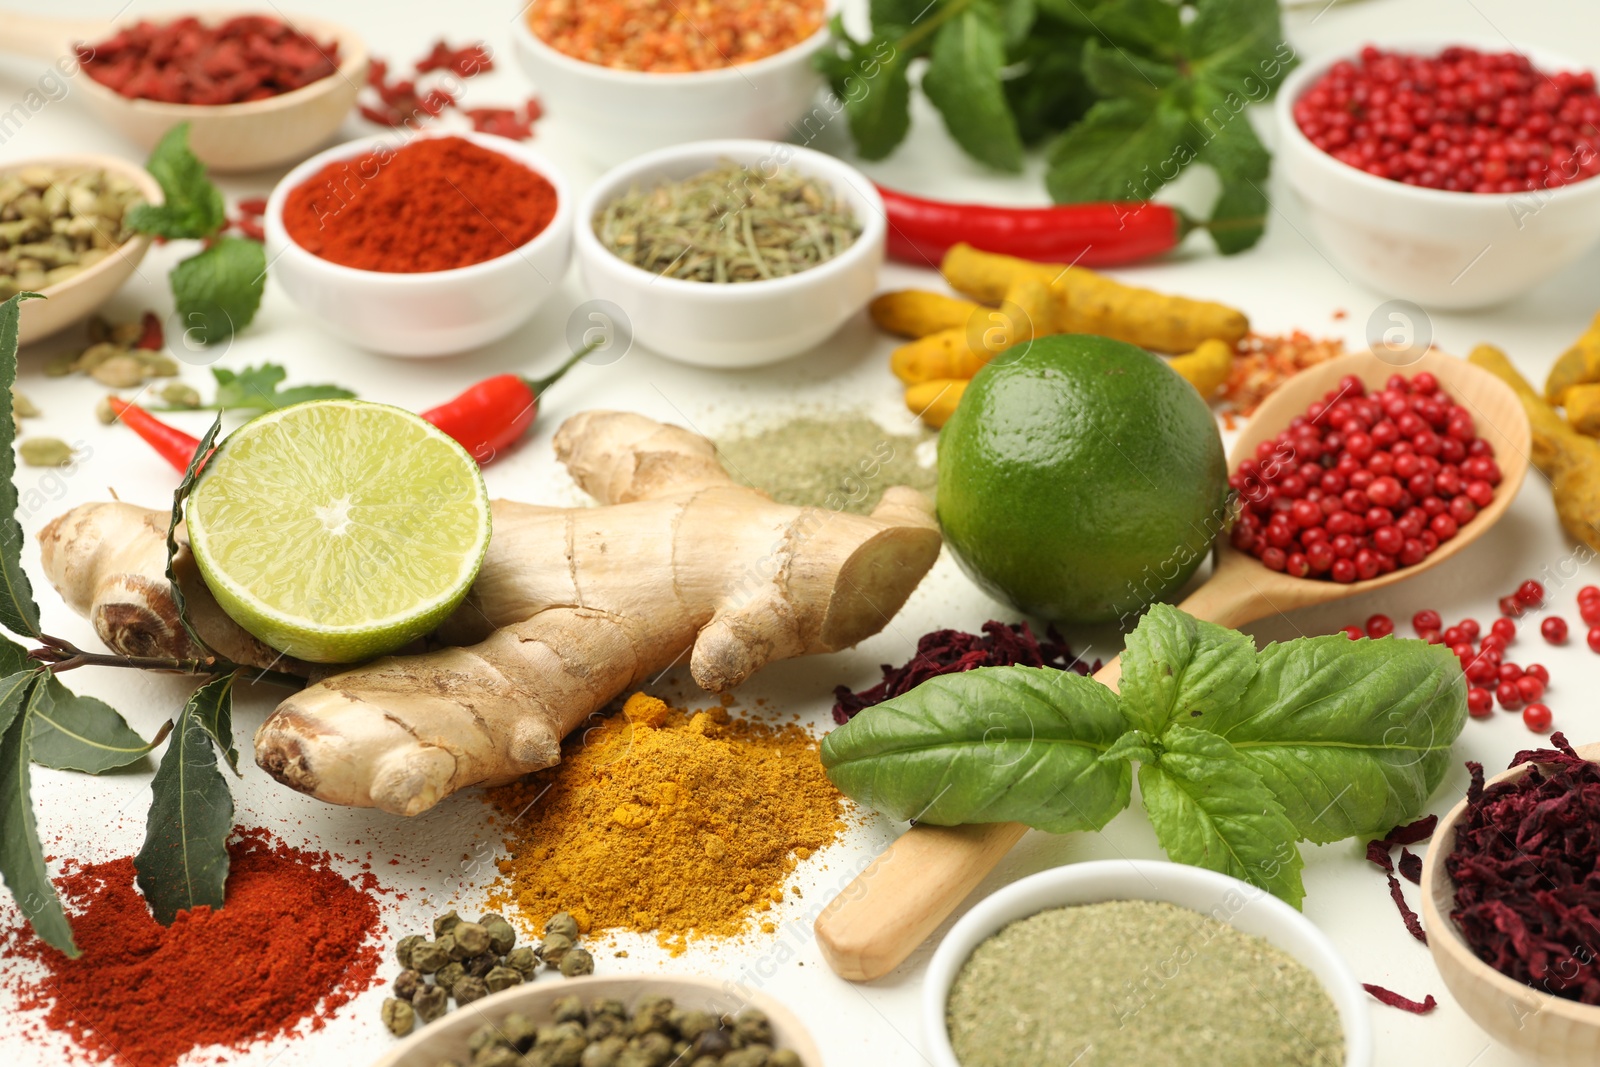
{"x": 1436, "y": 248}
{"x": 1228, "y": 900}
{"x": 616, "y": 114}
{"x": 736, "y": 324}
{"x": 432, "y": 313}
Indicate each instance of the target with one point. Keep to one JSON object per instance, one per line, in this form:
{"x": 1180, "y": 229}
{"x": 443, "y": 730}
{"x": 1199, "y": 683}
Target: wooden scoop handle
{"x": 43, "y": 37}
{"x": 893, "y": 905}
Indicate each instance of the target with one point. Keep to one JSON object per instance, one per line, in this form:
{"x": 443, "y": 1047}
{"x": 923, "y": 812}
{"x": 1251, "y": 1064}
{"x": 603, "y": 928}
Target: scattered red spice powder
{"x": 674, "y": 36}
{"x": 951, "y": 651}
{"x": 295, "y": 941}
{"x": 1527, "y": 898}
{"x": 435, "y": 204}
{"x": 185, "y": 61}
{"x": 1264, "y": 362}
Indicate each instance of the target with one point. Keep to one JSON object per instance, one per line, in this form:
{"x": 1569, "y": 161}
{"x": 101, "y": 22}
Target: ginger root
{"x": 573, "y": 606}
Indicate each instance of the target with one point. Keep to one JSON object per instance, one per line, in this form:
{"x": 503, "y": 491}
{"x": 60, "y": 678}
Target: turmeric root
{"x": 1578, "y": 365}
{"x": 935, "y": 401}
{"x": 1569, "y": 459}
{"x": 1207, "y": 367}
{"x": 962, "y": 351}
{"x": 1583, "y": 407}
{"x": 574, "y": 606}
{"x": 918, "y": 313}
{"x": 1091, "y": 303}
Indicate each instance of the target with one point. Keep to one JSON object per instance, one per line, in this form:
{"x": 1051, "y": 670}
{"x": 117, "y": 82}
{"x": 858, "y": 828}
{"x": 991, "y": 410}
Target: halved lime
{"x": 337, "y": 530}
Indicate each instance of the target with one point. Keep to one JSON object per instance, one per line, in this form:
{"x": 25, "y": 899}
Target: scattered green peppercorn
{"x": 469, "y": 989}
{"x": 576, "y": 961}
{"x": 430, "y": 1002}
{"x": 398, "y": 1016}
{"x": 443, "y": 924}
{"x": 553, "y": 947}
{"x": 564, "y": 924}
{"x": 402, "y": 951}
{"x": 471, "y": 939}
{"x": 502, "y": 978}
{"x": 429, "y": 956}
{"x": 478, "y": 966}
{"x": 457, "y": 951}
{"x": 524, "y": 960}
{"x": 449, "y": 975}
{"x": 406, "y": 983}
{"x": 502, "y": 936}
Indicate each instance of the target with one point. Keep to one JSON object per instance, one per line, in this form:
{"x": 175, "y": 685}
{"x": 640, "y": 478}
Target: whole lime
{"x": 1081, "y": 480}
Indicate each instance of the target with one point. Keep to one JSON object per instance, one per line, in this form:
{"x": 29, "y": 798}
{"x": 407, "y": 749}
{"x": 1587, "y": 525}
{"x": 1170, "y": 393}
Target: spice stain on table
{"x": 841, "y": 462}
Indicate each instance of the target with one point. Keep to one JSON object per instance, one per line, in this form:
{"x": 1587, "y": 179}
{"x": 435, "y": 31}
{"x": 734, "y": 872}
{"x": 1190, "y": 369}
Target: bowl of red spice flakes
{"x": 421, "y": 245}
{"x": 1512, "y": 905}
{"x": 256, "y": 89}
{"x": 629, "y": 76}
{"x": 1445, "y": 172}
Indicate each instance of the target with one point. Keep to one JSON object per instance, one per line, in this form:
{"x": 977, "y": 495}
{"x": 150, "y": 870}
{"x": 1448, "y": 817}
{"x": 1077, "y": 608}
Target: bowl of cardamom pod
{"x": 603, "y": 1019}
{"x": 1143, "y": 961}
{"x": 63, "y": 235}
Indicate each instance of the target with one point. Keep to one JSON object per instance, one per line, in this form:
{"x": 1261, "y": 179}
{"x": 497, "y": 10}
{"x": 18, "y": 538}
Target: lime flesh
{"x": 338, "y": 530}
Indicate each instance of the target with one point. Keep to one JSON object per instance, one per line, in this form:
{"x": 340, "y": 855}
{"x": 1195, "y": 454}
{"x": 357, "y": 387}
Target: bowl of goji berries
{"x": 1448, "y": 173}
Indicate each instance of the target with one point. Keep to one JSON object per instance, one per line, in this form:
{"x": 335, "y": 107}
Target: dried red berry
{"x": 1508, "y": 695}
{"x": 1426, "y": 619}
{"x": 1480, "y": 705}
{"x": 1505, "y": 629}
{"x": 1536, "y": 717}
{"x": 1380, "y": 626}
{"x": 1537, "y": 670}
{"x": 1530, "y": 594}
{"x": 1554, "y": 630}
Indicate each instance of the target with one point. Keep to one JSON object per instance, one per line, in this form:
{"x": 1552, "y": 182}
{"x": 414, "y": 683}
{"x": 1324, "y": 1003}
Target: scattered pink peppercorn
{"x": 1380, "y": 626}
{"x": 1589, "y": 611}
{"x": 1353, "y": 633}
{"x": 1504, "y": 629}
{"x": 1508, "y": 695}
{"x": 1480, "y": 704}
{"x": 1554, "y": 630}
{"x": 1594, "y": 638}
{"x": 1537, "y": 670}
{"x": 1529, "y": 688}
{"x": 1509, "y": 607}
{"x": 1425, "y": 620}
{"x": 1536, "y": 717}
{"x": 1530, "y": 594}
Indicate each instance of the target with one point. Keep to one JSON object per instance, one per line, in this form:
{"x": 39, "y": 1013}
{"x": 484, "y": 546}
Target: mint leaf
{"x": 995, "y": 744}
{"x": 870, "y": 78}
{"x": 1239, "y": 46}
{"x": 1231, "y": 148}
{"x": 1046, "y": 90}
{"x": 1177, "y": 669}
{"x": 895, "y": 18}
{"x": 1119, "y": 72}
{"x": 77, "y": 733}
{"x": 1151, "y": 26}
{"x": 184, "y": 861}
{"x": 21, "y": 857}
{"x": 256, "y": 389}
{"x": 1211, "y": 809}
{"x": 218, "y": 291}
{"x": 1017, "y": 17}
{"x": 1122, "y": 150}
{"x": 963, "y": 82}
{"x": 18, "y": 611}
{"x": 1352, "y": 736}
{"x": 191, "y": 206}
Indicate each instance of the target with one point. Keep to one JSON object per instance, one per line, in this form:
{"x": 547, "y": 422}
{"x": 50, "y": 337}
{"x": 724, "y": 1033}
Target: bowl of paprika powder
{"x": 421, "y": 245}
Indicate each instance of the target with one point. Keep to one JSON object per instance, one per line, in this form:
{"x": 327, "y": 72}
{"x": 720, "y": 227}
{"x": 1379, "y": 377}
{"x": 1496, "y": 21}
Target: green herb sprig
{"x": 1132, "y": 92}
{"x": 217, "y": 291}
{"x": 1241, "y": 754}
{"x": 258, "y": 389}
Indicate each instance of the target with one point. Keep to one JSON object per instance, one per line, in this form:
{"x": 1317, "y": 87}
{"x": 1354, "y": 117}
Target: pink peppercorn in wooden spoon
{"x": 226, "y": 137}
{"x": 892, "y": 906}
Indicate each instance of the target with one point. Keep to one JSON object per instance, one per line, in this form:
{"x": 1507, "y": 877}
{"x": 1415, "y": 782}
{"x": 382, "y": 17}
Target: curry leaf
{"x": 21, "y": 857}
{"x": 184, "y": 861}
{"x": 191, "y": 206}
{"x": 963, "y": 82}
{"x": 1210, "y": 809}
{"x": 1351, "y": 736}
{"x": 179, "y": 495}
{"x": 77, "y": 733}
{"x": 1177, "y": 668}
{"x": 989, "y": 745}
{"x": 18, "y": 612}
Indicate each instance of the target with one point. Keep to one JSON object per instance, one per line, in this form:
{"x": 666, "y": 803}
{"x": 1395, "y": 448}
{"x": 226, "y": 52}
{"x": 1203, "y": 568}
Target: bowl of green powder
{"x": 1128, "y": 963}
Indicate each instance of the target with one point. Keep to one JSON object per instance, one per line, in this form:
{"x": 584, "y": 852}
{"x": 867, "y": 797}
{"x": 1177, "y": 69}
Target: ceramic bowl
{"x": 433, "y": 313}
{"x": 745, "y": 324}
{"x": 446, "y": 1039}
{"x": 68, "y": 301}
{"x": 1435, "y": 248}
{"x": 1229, "y": 900}
{"x": 616, "y": 114}
{"x": 1549, "y": 1030}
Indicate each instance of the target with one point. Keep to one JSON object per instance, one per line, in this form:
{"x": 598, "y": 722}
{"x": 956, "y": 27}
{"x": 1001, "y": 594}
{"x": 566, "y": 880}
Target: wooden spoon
{"x": 877, "y": 920}
{"x": 226, "y": 137}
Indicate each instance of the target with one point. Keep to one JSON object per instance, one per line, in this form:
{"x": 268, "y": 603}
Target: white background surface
{"x": 1284, "y": 283}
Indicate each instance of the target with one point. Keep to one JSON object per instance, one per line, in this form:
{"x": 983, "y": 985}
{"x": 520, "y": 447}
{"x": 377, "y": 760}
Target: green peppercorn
{"x": 577, "y": 961}
{"x": 468, "y": 989}
{"x": 448, "y": 975}
{"x": 652, "y": 1013}
{"x": 563, "y": 923}
{"x": 486, "y": 1036}
{"x": 749, "y": 1056}
{"x": 753, "y": 1026}
{"x": 520, "y": 1031}
{"x": 429, "y": 956}
{"x": 608, "y": 1006}
{"x": 402, "y": 950}
{"x": 713, "y": 1043}
{"x": 569, "y": 1009}
{"x": 430, "y": 1002}
{"x": 553, "y": 947}
{"x": 478, "y": 966}
{"x": 605, "y": 1052}
{"x": 656, "y": 1046}
{"x": 502, "y": 978}
{"x": 458, "y": 952}
{"x": 398, "y": 1016}
{"x": 691, "y": 1024}
{"x": 471, "y": 939}
{"x": 497, "y": 1056}
{"x": 443, "y": 924}
{"x": 784, "y": 1057}
{"x": 406, "y": 983}
{"x": 524, "y": 960}
{"x": 705, "y": 1061}
{"x": 603, "y": 1026}
{"x": 502, "y": 936}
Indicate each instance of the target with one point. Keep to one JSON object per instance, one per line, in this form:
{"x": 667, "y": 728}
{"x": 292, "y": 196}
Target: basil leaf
{"x": 77, "y": 733}
{"x": 1119, "y": 72}
{"x": 963, "y": 82}
{"x": 1352, "y": 736}
{"x": 218, "y": 291}
{"x": 1210, "y": 809}
{"x": 21, "y": 857}
{"x": 1177, "y": 669}
{"x": 1122, "y": 150}
{"x": 184, "y": 861}
{"x": 18, "y": 612}
{"x": 191, "y": 206}
{"x": 870, "y": 78}
{"x": 996, "y": 744}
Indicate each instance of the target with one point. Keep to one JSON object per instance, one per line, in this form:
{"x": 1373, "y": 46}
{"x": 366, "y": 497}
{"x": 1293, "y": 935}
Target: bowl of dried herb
{"x": 1145, "y": 962}
{"x": 1510, "y": 903}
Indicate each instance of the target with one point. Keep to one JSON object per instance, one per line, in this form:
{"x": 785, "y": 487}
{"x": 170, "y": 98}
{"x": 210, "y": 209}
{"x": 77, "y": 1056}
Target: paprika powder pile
{"x": 185, "y": 61}
{"x": 290, "y": 944}
{"x": 438, "y": 203}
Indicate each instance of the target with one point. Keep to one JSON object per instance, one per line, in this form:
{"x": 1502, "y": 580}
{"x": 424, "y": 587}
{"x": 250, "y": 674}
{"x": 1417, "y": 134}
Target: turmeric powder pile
{"x": 659, "y": 820}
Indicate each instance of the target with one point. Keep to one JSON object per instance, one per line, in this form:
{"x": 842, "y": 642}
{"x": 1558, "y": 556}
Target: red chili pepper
{"x": 1094, "y": 235}
{"x": 175, "y": 446}
{"x": 496, "y": 412}
{"x": 151, "y": 336}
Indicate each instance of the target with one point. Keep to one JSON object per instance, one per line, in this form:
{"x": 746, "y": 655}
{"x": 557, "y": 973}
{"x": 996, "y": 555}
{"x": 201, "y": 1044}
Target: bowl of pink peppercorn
{"x": 1455, "y": 174}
